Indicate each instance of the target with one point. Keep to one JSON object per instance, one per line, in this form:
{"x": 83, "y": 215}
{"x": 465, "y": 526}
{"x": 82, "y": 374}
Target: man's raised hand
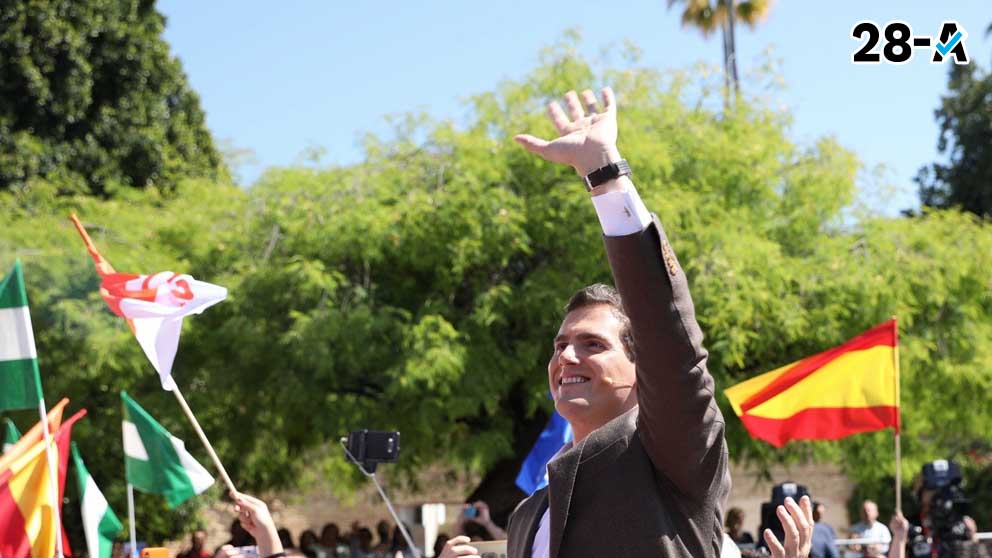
{"x": 587, "y": 135}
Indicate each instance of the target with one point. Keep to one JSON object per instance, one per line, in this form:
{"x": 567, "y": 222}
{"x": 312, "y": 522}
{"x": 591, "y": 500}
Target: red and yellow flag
{"x": 35, "y": 435}
{"x": 846, "y": 390}
{"x": 27, "y": 515}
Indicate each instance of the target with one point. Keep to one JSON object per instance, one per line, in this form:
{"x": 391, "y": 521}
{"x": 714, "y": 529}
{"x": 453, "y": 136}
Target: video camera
{"x": 769, "y": 520}
{"x": 948, "y": 506}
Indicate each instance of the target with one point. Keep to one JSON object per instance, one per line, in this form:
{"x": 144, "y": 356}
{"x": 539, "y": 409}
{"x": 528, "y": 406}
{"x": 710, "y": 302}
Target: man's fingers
{"x": 558, "y": 117}
{"x": 773, "y": 545}
{"x": 575, "y": 111}
{"x": 531, "y": 143}
{"x": 609, "y": 99}
{"x": 589, "y": 100}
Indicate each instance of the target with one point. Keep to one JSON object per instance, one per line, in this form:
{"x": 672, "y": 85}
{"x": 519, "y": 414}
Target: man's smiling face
{"x": 590, "y": 376}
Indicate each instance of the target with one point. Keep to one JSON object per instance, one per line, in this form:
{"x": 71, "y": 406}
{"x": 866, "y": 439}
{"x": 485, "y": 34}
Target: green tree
{"x": 965, "y": 119}
{"x": 708, "y": 15}
{"x": 92, "y": 100}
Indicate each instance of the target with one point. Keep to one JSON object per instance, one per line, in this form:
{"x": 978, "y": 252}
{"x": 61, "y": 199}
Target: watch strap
{"x": 605, "y": 174}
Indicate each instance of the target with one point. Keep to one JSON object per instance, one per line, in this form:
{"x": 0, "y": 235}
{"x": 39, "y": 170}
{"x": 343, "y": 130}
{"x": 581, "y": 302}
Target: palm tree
{"x": 708, "y": 15}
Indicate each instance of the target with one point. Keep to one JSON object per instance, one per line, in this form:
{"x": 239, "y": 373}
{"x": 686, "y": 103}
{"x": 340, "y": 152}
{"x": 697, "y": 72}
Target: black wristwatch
{"x": 606, "y": 174}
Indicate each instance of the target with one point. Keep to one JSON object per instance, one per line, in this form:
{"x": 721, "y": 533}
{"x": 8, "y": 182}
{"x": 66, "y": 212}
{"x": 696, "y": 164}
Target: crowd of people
{"x": 868, "y": 537}
{"x": 359, "y": 541}
{"x": 474, "y": 523}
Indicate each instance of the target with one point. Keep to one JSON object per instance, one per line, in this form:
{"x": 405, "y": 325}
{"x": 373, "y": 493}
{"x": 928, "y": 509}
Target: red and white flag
{"x": 153, "y": 305}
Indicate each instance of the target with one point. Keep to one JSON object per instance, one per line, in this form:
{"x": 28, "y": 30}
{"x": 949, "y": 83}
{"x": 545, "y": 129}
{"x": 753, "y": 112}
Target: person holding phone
{"x": 476, "y": 523}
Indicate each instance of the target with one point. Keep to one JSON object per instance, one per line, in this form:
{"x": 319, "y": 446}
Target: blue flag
{"x": 533, "y": 474}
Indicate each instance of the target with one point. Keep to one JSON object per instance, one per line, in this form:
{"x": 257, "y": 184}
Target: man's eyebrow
{"x": 580, "y": 336}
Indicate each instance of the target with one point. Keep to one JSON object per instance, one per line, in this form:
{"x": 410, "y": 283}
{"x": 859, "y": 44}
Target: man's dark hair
{"x": 596, "y": 294}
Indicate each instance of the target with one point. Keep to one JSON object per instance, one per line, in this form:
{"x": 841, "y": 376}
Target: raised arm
{"x": 679, "y": 422}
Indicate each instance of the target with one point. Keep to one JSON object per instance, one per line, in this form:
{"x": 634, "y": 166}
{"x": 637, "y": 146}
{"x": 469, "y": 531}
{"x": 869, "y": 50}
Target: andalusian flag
{"x": 11, "y": 435}
{"x": 849, "y": 389}
{"x": 156, "y": 461}
{"x": 100, "y": 525}
{"x": 27, "y": 510}
{"x": 20, "y": 384}
{"x": 153, "y": 305}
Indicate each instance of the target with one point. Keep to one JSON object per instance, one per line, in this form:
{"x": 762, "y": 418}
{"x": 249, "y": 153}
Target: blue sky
{"x": 279, "y": 78}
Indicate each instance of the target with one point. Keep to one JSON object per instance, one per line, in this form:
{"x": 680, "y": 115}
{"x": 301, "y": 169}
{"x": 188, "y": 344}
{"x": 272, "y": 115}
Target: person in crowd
{"x": 439, "y": 542}
{"x": 399, "y": 548}
{"x": 309, "y": 543}
{"x": 870, "y": 528}
{"x": 824, "y": 537}
{"x": 196, "y": 549}
{"x": 735, "y": 527}
{"x": 286, "y": 538}
{"x": 384, "y": 532}
{"x": 330, "y": 539}
{"x": 647, "y": 473}
{"x": 360, "y": 541}
{"x": 239, "y": 537}
{"x": 476, "y": 523}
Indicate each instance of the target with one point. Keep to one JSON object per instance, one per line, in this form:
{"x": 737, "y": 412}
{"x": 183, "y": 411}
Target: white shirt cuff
{"x": 621, "y": 212}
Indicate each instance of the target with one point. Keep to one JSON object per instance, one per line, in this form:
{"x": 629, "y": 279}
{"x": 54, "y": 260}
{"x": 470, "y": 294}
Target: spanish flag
{"x": 846, "y": 390}
{"x": 27, "y": 515}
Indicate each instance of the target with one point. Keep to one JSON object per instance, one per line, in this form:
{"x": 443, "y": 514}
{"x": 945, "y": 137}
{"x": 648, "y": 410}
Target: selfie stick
{"x": 409, "y": 541}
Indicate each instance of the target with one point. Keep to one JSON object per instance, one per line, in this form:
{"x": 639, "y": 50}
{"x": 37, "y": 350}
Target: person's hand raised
{"x": 899, "y": 526}
{"x": 255, "y": 518}
{"x": 797, "y": 521}
{"x": 587, "y": 135}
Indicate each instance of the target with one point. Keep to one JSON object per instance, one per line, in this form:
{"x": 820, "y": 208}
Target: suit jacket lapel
{"x": 561, "y": 480}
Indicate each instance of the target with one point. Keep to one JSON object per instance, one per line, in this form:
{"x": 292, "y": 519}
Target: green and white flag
{"x": 11, "y": 435}
{"x": 100, "y": 525}
{"x": 156, "y": 461}
{"x": 20, "y": 384}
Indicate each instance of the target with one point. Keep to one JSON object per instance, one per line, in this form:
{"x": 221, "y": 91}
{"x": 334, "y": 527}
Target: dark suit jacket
{"x": 652, "y": 482}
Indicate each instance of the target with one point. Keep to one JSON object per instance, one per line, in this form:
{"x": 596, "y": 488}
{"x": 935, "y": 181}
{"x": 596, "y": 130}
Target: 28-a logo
{"x": 900, "y": 43}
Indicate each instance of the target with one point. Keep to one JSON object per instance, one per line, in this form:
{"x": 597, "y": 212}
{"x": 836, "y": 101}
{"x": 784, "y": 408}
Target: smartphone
{"x": 470, "y": 512}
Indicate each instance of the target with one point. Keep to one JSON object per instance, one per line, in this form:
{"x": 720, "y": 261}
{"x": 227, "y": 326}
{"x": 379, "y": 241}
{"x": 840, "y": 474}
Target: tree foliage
{"x": 419, "y": 289}
{"x": 92, "y": 101}
{"x": 965, "y": 117}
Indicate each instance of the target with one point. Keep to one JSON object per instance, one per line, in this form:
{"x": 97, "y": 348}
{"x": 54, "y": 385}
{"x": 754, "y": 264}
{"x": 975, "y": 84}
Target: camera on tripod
{"x": 769, "y": 520}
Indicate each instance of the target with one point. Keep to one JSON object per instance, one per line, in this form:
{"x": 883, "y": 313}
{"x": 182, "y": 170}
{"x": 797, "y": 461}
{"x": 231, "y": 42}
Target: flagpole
{"x": 53, "y": 480}
{"x": 203, "y": 437}
{"x": 898, "y": 447}
{"x": 130, "y": 520}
